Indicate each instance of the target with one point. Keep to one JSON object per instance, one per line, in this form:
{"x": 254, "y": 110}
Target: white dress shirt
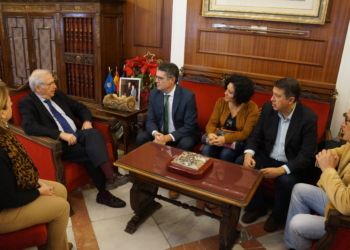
{"x": 278, "y": 150}
{"x": 170, "y": 113}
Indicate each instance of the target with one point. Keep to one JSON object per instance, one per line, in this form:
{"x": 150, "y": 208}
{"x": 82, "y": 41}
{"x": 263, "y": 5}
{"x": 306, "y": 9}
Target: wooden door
{"x": 28, "y": 44}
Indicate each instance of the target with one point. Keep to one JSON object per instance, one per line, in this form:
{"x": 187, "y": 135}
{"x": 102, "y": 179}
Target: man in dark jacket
{"x": 172, "y": 114}
{"x": 49, "y": 112}
{"x": 282, "y": 146}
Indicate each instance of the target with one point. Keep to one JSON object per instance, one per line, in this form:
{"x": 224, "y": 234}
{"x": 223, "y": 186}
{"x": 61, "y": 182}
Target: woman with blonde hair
{"x": 26, "y": 200}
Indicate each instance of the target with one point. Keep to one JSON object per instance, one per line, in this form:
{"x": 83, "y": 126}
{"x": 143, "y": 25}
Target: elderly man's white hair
{"x": 37, "y": 77}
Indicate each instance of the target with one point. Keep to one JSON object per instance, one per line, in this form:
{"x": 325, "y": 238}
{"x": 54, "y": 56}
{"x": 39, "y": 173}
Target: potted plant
{"x": 145, "y": 68}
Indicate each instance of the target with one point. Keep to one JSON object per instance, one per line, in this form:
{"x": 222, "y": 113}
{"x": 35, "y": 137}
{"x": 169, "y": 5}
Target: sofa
{"x": 207, "y": 92}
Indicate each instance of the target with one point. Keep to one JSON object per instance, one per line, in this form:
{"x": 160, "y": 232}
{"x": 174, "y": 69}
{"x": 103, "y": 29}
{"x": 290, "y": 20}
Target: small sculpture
{"x": 121, "y": 103}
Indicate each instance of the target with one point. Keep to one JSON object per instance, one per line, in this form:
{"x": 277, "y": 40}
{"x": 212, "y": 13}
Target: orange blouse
{"x": 246, "y": 119}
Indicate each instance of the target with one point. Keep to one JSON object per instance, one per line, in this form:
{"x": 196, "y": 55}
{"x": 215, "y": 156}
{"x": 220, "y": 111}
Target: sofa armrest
{"x": 45, "y": 154}
{"x": 107, "y": 126}
{"x": 336, "y": 226}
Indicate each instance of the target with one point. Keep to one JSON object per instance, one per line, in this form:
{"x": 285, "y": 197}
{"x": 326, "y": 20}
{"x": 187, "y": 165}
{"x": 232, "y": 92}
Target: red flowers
{"x": 144, "y": 68}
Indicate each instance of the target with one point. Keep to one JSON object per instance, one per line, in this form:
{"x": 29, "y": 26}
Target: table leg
{"x": 142, "y": 204}
{"x": 228, "y": 226}
{"x": 126, "y": 136}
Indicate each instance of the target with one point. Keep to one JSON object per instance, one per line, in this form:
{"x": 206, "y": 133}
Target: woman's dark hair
{"x": 244, "y": 88}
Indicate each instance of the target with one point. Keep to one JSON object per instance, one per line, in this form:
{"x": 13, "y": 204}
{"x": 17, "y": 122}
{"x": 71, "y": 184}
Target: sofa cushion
{"x": 25, "y": 238}
{"x": 16, "y": 114}
{"x": 322, "y": 110}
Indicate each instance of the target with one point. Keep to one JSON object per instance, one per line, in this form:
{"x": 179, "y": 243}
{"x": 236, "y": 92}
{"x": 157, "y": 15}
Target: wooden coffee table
{"x": 227, "y": 185}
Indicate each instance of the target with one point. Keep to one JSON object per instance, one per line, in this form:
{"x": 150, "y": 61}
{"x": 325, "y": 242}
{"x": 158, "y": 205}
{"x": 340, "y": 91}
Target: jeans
{"x": 283, "y": 186}
{"x": 302, "y": 227}
{"x": 222, "y": 153}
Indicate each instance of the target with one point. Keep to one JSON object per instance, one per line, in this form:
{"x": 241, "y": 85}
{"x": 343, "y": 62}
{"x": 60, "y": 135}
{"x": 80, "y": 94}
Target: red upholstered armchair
{"x": 25, "y": 238}
{"x": 45, "y": 152}
{"x": 337, "y": 232}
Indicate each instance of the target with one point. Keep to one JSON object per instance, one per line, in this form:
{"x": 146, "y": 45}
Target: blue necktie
{"x": 61, "y": 120}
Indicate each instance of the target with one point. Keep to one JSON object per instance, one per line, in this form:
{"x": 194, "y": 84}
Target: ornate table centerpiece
{"x": 190, "y": 165}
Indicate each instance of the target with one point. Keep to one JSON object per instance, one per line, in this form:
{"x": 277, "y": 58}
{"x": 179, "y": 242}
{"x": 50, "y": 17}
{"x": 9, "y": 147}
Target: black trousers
{"x": 90, "y": 150}
{"x": 283, "y": 186}
{"x": 185, "y": 143}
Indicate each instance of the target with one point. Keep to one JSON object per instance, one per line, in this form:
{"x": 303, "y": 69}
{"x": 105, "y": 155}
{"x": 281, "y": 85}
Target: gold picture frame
{"x": 295, "y": 11}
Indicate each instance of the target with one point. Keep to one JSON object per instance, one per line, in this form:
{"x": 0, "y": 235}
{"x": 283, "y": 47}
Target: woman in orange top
{"x": 233, "y": 119}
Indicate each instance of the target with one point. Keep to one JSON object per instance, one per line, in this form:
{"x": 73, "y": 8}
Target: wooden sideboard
{"x": 79, "y": 40}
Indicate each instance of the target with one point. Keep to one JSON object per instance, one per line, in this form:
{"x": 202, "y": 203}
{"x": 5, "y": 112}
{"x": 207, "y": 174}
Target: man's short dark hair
{"x": 244, "y": 88}
{"x": 291, "y": 87}
{"x": 170, "y": 69}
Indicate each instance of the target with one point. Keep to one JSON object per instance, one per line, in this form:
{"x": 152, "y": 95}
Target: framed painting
{"x": 296, "y": 11}
{"x": 130, "y": 87}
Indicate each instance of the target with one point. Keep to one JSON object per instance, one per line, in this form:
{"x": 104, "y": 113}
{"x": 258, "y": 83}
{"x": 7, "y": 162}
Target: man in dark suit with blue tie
{"x": 172, "y": 113}
{"x": 49, "y": 112}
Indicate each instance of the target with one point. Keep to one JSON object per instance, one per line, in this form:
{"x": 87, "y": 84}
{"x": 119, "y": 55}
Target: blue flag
{"x": 109, "y": 84}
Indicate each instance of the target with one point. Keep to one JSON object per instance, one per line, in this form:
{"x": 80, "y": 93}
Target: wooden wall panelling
{"x": 44, "y": 41}
{"x": 314, "y": 61}
{"x": 16, "y": 39}
{"x": 68, "y": 37}
{"x": 80, "y": 56}
{"x": 111, "y": 45}
{"x": 24, "y": 31}
{"x": 2, "y": 72}
{"x": 148, "y": 25}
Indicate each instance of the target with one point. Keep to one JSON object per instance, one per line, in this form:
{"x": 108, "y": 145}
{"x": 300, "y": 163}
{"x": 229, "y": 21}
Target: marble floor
{"x": 95, "y": 226}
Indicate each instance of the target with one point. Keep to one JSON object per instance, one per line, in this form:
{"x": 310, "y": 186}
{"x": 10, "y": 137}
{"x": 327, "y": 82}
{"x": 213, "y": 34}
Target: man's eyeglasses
{"x": 48, "y": 84}
{"x": 160, "y": 78}
{"x": 346, "y": 120}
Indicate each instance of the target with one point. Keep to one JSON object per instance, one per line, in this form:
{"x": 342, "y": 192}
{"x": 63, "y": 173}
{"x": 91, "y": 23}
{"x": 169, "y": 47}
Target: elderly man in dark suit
{"x": 49, "y": 112}
{"x": 172, "y": 113}
{"x": 282, "y": 146}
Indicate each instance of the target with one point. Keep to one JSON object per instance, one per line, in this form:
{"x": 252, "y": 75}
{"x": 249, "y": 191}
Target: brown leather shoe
{"x": 252, "y": 216}
{"x": 70, "y": 246}
{"x": 214, "y": 209}
{"x": 271, "y": 224}
{"x": 200, "y": 205}
{"x": 116, "y": 180}
{"x": 108, "y": 199}
{"x": 173, "y": 195}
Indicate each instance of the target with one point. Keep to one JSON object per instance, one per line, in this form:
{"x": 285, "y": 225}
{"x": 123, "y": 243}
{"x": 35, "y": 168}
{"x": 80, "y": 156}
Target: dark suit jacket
{"x": 37, "y": 120}
{"x": 184, "y": 113}
{"x": 301, "y": 138}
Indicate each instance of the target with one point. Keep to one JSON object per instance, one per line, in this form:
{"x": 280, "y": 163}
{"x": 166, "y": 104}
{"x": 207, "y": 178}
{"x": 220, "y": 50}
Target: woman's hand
{"x": 218, "y": 141}
{"x": 210, "y": 138}
{"x": 45, "y": 189}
